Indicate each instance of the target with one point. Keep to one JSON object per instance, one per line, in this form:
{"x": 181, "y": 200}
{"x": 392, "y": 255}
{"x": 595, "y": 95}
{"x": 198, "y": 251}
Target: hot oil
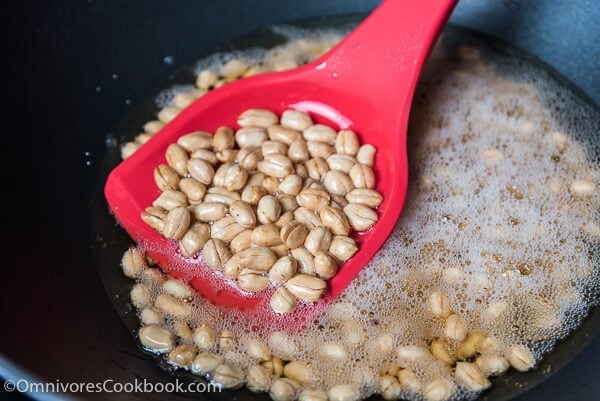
{"x": 492, "y": 220}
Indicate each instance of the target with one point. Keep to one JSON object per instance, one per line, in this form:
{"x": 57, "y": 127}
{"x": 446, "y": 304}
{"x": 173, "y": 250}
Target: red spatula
{"x": 365, "y": 83}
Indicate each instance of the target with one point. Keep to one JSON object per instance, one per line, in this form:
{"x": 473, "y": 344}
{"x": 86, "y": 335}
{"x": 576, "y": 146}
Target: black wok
{"x": 73, "y": 72}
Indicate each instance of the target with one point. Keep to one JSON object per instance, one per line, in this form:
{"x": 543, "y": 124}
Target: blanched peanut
{"x": 225, "y": 229}
{"x": 270, "y": 147}
{"x": 318, "y": 240}
{"x": 470, "y": 377}
{"x": 343, "y": 248}
{"x": 206, "y": 79}
{"x": 250, "y": 137}
{"x": 284, "y": 219}
{"x": 365, "y": 196}
{"x": 195, "y": 140}
{"x": 362, "y": 176}
{"x": 280, "y": 250}
{"x": 283, "y": 269}
{"x": 183, "y": 355}
{"x": 235, "y": 178}
{"x": 156, "y": 338}
{"x": 312, "y": 394}
{"x": 470, "y": 345}
{"x": 177, "y": 158}
{"x": 306, "y": 287}
{"x": 347, "y": 142}
{"x": 389, "y": 387}
{"x": 298, "y": 371}
{"x": 492, "y": 364}
{"x": 306, "y": 263}
{"x": 283, "y": 301}
{"x": 233, "y": 69}
{"x": 520, "y": 357}
{"x": 288, "y": 202}
{"x": 155, "y": 217}
{"x": 205, "y": 362}
{"x": 325, "y": 265}
{"x": 243, "y": 214}
{"x": 439, "y": 304}
{"x": 249, "y": 157}
{"x": 307, "y": 217}
{"x": 140, "y": 295}
{"x": 257, "y": 118}
{"x": 353, "y": 332}
{"x": 301, "y": 171}
{"x": 216, "y": 253}
{"x": 133, "y": 262}
{"x": 291, "y": 185}
{"x": 274, "y": 366}
{"x": 177, "y": 223}
{"x": 335, "y": 220}
{"x": 177, "y": 288}
{"x": 361, "y": 217}
{"x": 337, "y": 183}
{"x": 271, "y": 185}
{"x": 172, "y": 306}
{"x": 319, "y": 149}
{"x": 241, "y": 241}
{"x": 228, "y": 376}
{"x": 438, "y": 390}
{"x": 456, "y": 327}
{"x": 268, "y": 210}
{"x": 258, "y": 379}
{"x": 206, "y": 155}
{"x": 193, "y": 189}
{"x": 128, "y": 149}
{"x": 282, "y": 390}
{"x": 293, "y": 234}
{"x": 257, "y": 258}
{"x": 204, "y": 337}
{"x": 170, "y": 199}
{"x": 223, "y": 139}
{"x": 316, "y": 168}
{"x": 252, "y": 281}
{"x": 283, "y": 134}
{"x": 332, "y": 350}
{"x": 257, "y": 349}
{"x": 227, "y": 155}
{"x": 219, "y": 177}
{"x": 298, "y": 151}
{"x": 166, "y": 177}
{"x": 341, "y": 162}
{"x": 166, "y": 114}
{"x": 276, "y": 165}
{"x": 366, "y": 155}
{"x": 252, "y": 194}
{"x": 582, "y": 188}
{"x": 266, "y": 235}
{"x": 409, "y": 380}
{"x": 344, "y": 392}
{"x": 295, "y": 119}
{"x": 201, "y": 170}
{"x": 320, "y": 132}
{"x": 183, "y": 331}
{"x": 210, "y": 211}
{"x": 152, "y": 127}
{"x": 150, "y": 316}
{"x": 412, "y": 353}
{"x": 338, "y": 201}
{"x": 439, "y": 349}
{"x": 313, "y": 199}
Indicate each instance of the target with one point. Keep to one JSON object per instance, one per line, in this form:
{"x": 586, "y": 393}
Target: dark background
{"x": 61, "y": 102}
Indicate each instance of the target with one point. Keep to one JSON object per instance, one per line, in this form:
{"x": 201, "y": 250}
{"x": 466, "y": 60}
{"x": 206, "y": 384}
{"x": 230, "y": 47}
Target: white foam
{"x": 471, "y": 233}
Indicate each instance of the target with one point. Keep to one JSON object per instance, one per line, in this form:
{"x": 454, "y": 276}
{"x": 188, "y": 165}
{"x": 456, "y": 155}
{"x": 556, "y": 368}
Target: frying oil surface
{"x": 501, "y": 221}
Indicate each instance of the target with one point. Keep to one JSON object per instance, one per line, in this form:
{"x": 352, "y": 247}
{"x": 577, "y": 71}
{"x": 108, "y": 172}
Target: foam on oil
{"x": 495, "y": 145}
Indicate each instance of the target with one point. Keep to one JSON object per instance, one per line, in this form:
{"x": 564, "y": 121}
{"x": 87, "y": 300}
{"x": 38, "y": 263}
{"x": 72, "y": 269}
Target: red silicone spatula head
{"x": 365, "y": 83}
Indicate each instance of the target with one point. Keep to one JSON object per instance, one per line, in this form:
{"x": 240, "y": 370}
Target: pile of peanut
{"x": 274, "y": 202}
